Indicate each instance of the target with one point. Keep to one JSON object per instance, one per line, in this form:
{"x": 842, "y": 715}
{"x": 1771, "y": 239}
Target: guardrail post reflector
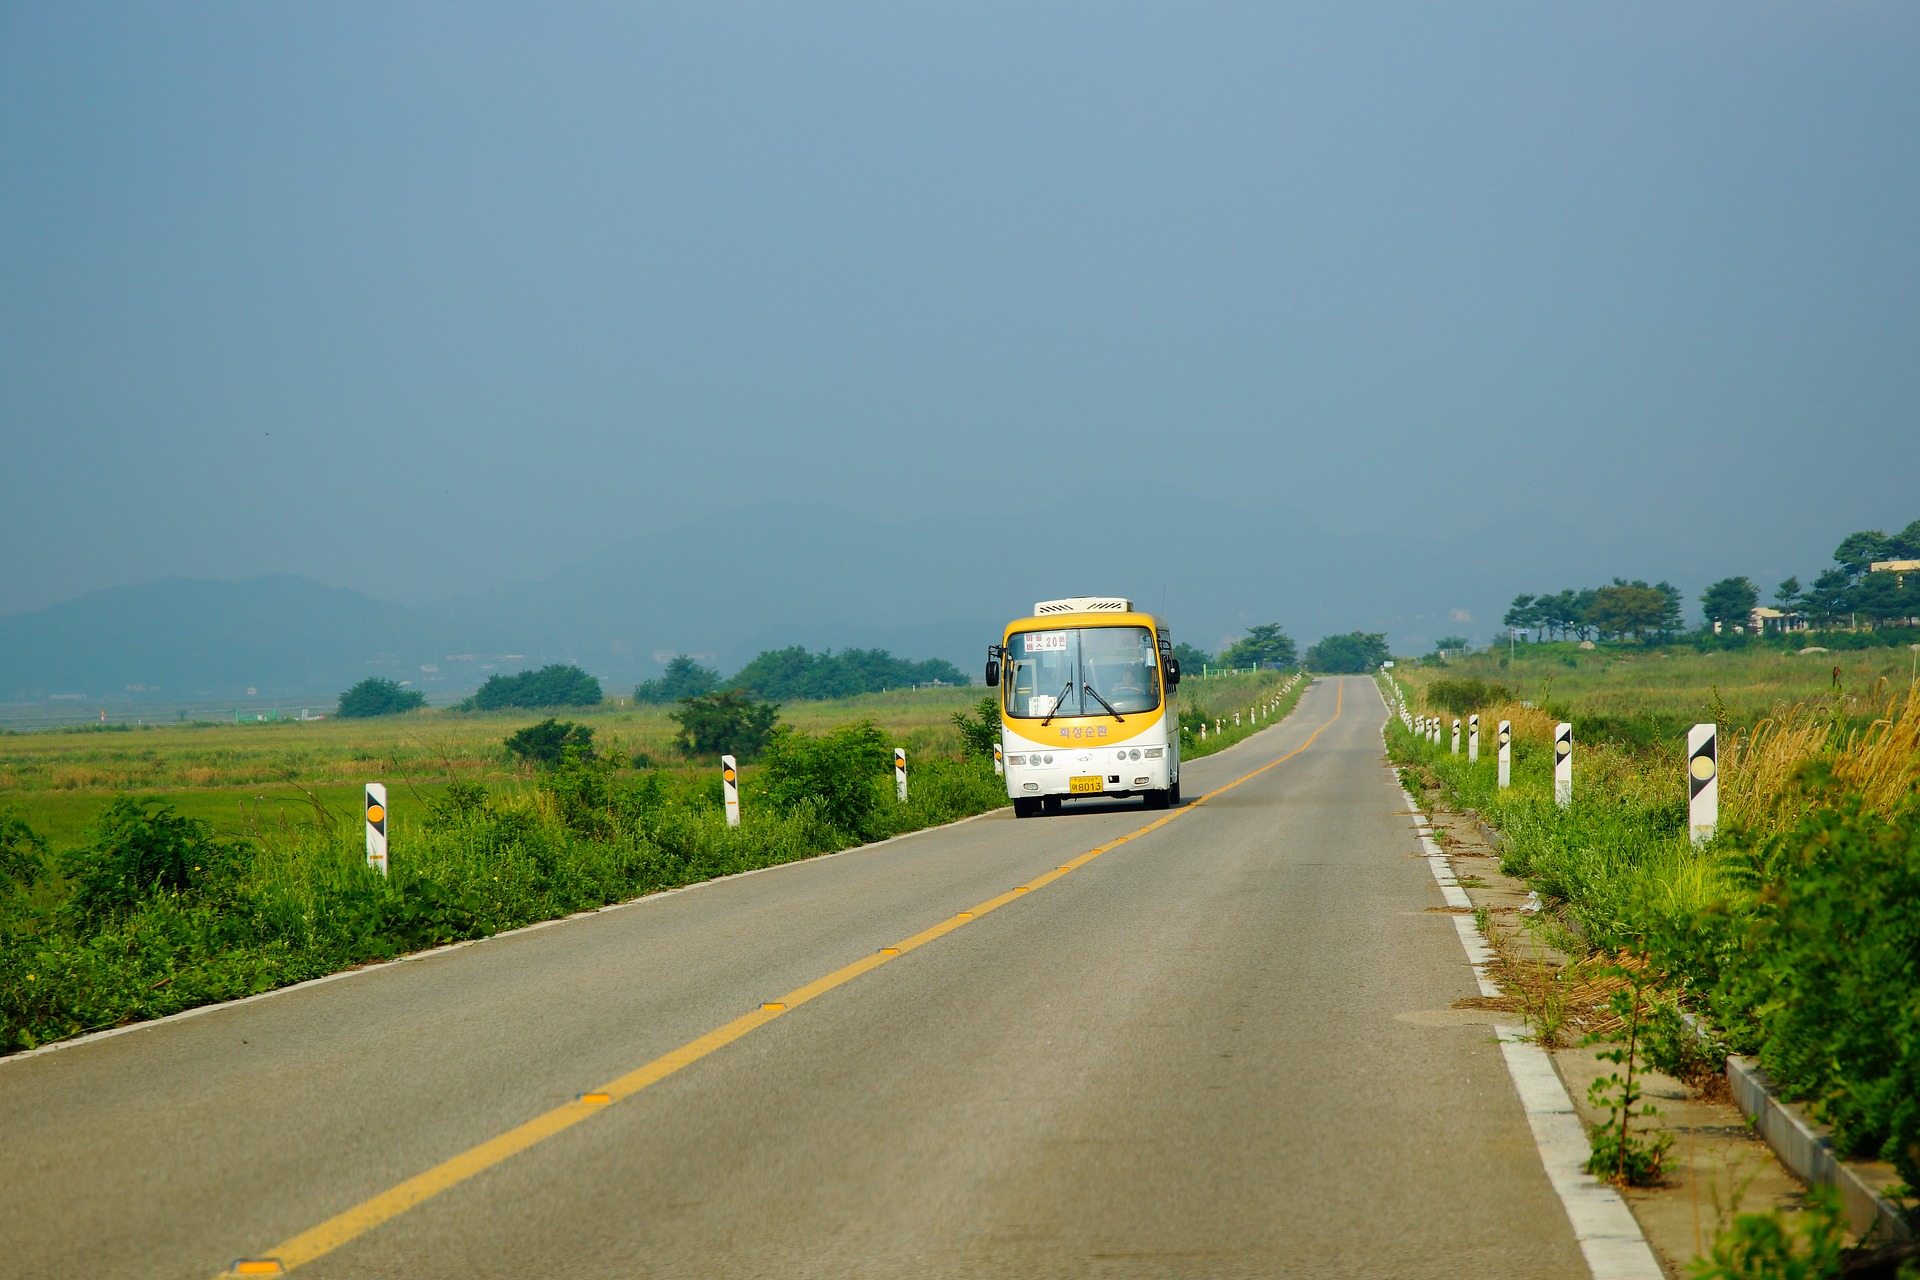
{"x": 1473, "y": 738}
{"x": 999, "y": 760}
{"x": 1563, "y": 764}
{"x": 377, "y": 826}
{"x": 730, "y": 786}
{"x": 900, "y": 772}
{"x": 1703, "y": 781}
{"x": 1506, "y": 754}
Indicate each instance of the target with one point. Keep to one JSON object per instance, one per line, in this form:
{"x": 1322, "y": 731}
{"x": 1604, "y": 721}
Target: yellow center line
{"x": 365, "y": 1216}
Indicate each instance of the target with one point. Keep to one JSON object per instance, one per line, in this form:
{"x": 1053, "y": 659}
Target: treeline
{"x": 794, "y": 674}
{"x": 1849, "y": 593}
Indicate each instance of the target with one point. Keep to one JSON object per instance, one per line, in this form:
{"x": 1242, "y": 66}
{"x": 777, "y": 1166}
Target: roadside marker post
{"x": 1506, "y": 754}
{"x": 1703, "y": 781}
{"x": 999, "y": 761}
{"x": 377, "y": 827}
{"x": 1473, "y": 738}
{"x": 1456, "y": 736}
{"x": 900, "y": 772}
{"x": 1563, "y": 764}
{"x": 730, "y": 786}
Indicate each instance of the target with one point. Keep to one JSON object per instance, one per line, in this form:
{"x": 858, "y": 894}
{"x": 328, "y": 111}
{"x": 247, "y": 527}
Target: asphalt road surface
{"x": 1212, "y": 1050}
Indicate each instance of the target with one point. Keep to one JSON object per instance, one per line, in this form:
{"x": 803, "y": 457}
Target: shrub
{"x": 1462, "y": 696}
{"x": 551, "y": 686}
{"x": 544, "y": 745}
{"x": 140, "y": 847}
{"x": 980, "y": 732}
{"x": 1832, "y": 977}
{"x": 20, "y": 851}
{"x": 837, "y": 772}
{"x": 725, "y": 723}
{"x": 1350, "y": 654}
{"x": 376, "y": 697}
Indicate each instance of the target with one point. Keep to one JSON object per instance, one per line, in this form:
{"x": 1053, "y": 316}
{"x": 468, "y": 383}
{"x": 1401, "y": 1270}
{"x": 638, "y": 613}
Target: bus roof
{"x": 1060, "y": 621}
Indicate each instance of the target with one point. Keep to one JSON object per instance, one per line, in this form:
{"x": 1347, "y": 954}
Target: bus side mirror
{"x": 993, "y": 672}
{"x": 1173, "y": 672}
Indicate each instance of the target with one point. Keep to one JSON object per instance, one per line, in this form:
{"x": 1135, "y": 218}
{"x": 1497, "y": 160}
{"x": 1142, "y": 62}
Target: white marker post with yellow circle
{"x": 1456, "y": 737}
{"x": 1563, "y": 764}
{"x": 1473, "y": 738}
{"x": 1506, "y": 754}
{"x": 1703, "y": 781}
{"x": 999, "y": 761}
{"x": 377, "y": 826}
{"x": 900, "y": 772}
{"x": 730, "y": 788}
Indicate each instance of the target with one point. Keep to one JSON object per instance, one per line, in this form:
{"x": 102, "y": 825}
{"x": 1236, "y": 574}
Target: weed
{"x": 1619, "y": 1154}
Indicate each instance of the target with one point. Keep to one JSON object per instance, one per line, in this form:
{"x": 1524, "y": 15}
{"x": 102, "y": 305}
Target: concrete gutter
{"x": 1805, "y": 1149}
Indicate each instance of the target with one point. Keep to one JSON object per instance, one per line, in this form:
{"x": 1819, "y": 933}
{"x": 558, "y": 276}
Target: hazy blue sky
{"x": 425, "y": 298}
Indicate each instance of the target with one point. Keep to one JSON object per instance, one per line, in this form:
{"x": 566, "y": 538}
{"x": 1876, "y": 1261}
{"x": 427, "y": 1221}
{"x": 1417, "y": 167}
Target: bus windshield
{"x": 1057, "y": 673}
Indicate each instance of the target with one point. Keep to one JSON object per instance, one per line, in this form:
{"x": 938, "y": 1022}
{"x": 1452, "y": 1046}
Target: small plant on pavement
{"x": 1619, "y": 1154}
{"x": 1766, "y": 1246}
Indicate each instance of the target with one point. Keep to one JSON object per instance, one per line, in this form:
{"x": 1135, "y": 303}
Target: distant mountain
{"x": 731, "y": 586}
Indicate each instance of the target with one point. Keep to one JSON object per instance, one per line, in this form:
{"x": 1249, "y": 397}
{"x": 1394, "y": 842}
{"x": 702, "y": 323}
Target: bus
{"x": 1087, "y": 705}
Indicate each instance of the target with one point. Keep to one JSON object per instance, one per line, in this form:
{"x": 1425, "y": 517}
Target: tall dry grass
{"x": 1761, "y": 771}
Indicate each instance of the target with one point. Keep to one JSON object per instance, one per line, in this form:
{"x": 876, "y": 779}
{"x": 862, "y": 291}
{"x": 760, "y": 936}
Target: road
{"x": 1214, "y": 1049}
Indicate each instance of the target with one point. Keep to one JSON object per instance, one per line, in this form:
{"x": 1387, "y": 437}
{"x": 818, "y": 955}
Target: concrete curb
{"x": 1803, "y": 1147}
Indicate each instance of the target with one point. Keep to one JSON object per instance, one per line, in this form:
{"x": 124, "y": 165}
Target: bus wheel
{"x": 1026, "y": 808}
{"x": 1173, "y": 793}
{"x": 1159, "y": 799}
{"x": 1050, "y": 804}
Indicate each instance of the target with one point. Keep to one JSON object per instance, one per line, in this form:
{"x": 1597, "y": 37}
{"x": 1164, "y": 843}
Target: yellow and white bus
{"x": 1087, "y": 704}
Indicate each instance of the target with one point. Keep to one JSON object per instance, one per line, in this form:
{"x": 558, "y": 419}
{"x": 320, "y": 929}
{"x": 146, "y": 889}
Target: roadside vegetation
{"x": 148, "y": 894}
{"x": 1792, "y": 935}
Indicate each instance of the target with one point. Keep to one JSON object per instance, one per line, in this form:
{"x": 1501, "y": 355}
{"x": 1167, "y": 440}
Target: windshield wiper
{"x": 1103, "y": 702}
{"x": 1056, "y": 703}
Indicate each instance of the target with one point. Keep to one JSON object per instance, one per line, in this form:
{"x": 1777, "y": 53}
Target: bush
{"x": 140, "y": 847}
{"x": 376, "y": 697}
{"x": 1463, "y": 696}
{"x": 551, "y": 686}
{"x": 980, "y": 732}
{"x": 726, "y": 723}
{"x": 544, "y": 745}
{"x": 1832, "y": 977}
{"x": 21, "y": 851}
{"x": 838, "y": 773}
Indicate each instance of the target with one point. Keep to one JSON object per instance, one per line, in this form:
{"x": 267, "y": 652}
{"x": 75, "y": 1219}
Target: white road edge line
{"x": 1608, "y": 1234}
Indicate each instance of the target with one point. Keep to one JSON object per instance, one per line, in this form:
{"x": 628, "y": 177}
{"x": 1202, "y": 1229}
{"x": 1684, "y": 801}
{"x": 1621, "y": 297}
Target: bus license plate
{"x": 1081, "y": 786}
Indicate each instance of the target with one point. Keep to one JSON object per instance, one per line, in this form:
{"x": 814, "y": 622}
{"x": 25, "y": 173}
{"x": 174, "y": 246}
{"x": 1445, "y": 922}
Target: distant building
{"x": 1764, "y": 620}
{"x": 1899, "y": 568}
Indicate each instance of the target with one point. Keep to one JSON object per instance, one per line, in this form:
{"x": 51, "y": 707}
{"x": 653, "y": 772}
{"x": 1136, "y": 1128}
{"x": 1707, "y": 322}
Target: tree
{"x": 1263, "y": 646}
{"x": 1831, "y": 596}
{"x": 1858, "y": 550}
{"x": 1192, "y": 658}
{"x": 728, "y": 722}
{"x": 377, "y": 697}
{"x": 784, "y": 675}
{"x": 555, "y": 685}
{"x": 685, "y": 678}
{"x": 1350, "y": 654}
{"x": 1448, "y": 644}
{"x": 1905, "y": 545}
{"x": 1730, "y": 602}
{"x": 1788, "y": 596}
{"x": 1524, "y": 614}
{"x": 1627, "y": 609}
{"x": 1671, "y": 619}
{"x": 544, "y": 745}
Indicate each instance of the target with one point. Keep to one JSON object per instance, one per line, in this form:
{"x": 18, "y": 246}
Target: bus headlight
{"x": 1154, "y": 753}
